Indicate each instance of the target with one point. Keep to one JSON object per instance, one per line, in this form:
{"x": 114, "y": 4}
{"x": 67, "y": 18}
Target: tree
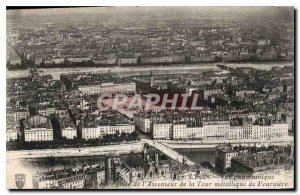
{"x": 123, "y": 135}
{"x": 187, "y": 59}
{"x": 139, "y": 60}
{"x": 134, "y": 135}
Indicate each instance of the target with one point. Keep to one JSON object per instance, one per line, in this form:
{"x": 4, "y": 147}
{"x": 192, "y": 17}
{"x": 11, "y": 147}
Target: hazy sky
{"x": 209, "y": 12}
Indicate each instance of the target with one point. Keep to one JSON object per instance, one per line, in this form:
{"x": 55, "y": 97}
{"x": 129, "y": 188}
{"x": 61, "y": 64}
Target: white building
{"x": 216, "y": 130}
{"x": 11, "y": 135}
{"x": 164, "y": 59}
{"x": 99, "y": 131}
{"x": 108, "y": 88}
{"x": 273, "y": 131}
{"x": 221, "y": 130}
{"x": 162, "y": 131}
{"x": 182, "y": 131}
{"x": 234, "y": 132}
{"x": 38, "y": 128}
{"x": 69, "y": 132}
{"x": 79, "y": 59}
{"x": 38, "y": 134}
{"x": 57, "y": 60}
{"x": 91, "y": 132}
{"x": 126, "y": 128}
{"x": 21, "y": 115}
{"x": 110, "y": 61}
{"x": 127, "y": 61}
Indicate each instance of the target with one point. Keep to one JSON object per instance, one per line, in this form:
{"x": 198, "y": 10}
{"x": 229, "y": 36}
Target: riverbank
{"x": 68, "y": 152}
{"x": 185, "y": 144}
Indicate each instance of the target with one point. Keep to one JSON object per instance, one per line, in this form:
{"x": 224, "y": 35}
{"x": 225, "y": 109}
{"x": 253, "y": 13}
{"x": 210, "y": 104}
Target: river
{"x": 198, "y": 155}
{"x": 144, "y": 70}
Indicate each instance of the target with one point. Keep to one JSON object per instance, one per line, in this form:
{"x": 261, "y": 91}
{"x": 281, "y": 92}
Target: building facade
{"x": 38, "y": 134}
{"x": 216, "y": 131}
{"x": 223, "y": 158}
{"x": 108, "y": 88}
{"x": 162, "y": 131}
{"x": 69, "y": 132}
{"x": 99, "y": 131}
{"x": 11, "y": 135}
{"x": 38, "y": 128}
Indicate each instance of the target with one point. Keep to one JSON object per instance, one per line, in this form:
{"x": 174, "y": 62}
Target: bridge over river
{"x": 168, "y": 151}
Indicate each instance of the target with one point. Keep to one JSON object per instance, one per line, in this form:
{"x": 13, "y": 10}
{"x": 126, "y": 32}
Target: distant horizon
{"x": 206, "y": 12}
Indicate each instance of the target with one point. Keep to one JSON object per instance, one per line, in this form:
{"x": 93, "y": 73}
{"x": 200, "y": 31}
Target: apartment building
{"x": 108, "y": 88}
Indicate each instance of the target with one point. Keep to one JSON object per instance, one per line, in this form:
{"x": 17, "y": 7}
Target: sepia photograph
{"x": 151, "y": 98}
